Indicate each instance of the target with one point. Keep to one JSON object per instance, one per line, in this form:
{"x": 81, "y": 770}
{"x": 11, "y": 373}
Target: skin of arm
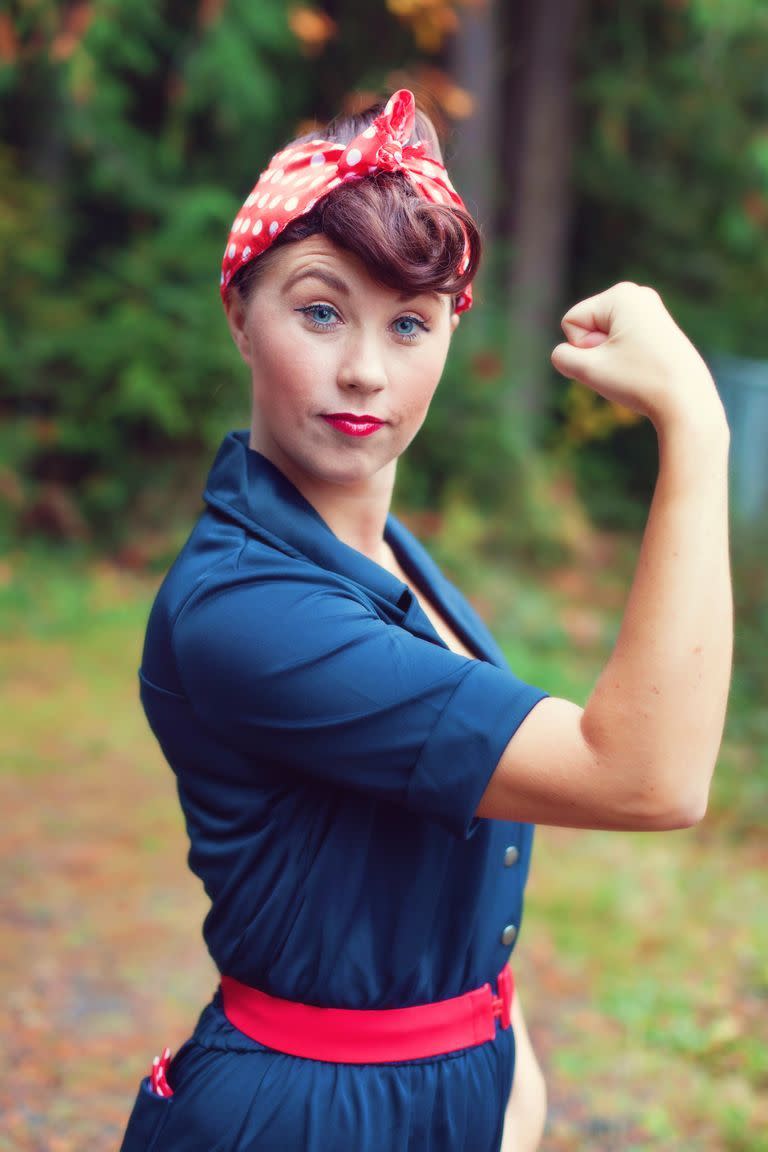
{"x": 526, "y": 1110}
{"x": 641, "y": 753}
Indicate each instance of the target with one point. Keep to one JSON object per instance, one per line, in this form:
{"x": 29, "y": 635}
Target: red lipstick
{"x": 352, "y": 425}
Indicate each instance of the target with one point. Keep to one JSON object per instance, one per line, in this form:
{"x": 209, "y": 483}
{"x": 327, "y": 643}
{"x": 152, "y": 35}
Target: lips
{"x": 353, "y": 425}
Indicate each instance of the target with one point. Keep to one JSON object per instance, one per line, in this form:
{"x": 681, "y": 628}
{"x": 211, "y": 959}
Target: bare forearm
{"x": 658, "y": 708}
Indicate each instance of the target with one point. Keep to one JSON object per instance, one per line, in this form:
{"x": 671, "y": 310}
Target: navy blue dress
{"x": 330, "y": 752}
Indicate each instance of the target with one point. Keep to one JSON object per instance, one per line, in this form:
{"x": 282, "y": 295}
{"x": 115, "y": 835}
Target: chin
{"x": 348, "y": 467}
{"x": 353, "y": 473}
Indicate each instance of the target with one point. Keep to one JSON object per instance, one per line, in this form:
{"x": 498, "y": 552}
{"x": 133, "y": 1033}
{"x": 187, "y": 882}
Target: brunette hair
{"x": 404, "y": 241}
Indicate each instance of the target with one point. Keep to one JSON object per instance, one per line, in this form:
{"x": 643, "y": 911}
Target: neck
{"x": 356, "y": 513}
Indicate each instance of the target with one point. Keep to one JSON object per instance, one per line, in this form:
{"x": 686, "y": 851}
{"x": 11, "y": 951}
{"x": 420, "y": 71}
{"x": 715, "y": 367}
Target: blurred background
{"x": 594, "y": 142}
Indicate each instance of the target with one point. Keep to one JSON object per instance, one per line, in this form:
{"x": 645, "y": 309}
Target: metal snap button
{"x": 511, "y": 856}
{"x": 508, "y": 935}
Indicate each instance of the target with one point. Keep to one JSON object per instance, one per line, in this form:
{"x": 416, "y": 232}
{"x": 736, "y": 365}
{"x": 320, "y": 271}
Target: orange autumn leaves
{"x": 311, "y": 27}
{"x": 58, "y": 33}
{"x": 430, "y": 21}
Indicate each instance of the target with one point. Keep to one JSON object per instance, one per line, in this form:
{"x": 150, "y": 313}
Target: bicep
{"x": 550, "y": 774}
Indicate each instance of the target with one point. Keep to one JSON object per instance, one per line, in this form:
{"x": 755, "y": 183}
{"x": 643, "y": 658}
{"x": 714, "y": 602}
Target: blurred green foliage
{"x": 131, "y": 135}
{"x": 671, "y": 190}
{"x": 132, "y": 132}
{"x": 672, "y": 161}
{"x": 130, "y": 143}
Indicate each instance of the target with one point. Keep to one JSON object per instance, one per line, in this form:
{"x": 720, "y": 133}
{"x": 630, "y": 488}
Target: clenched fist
{"x": 624, "y": 345}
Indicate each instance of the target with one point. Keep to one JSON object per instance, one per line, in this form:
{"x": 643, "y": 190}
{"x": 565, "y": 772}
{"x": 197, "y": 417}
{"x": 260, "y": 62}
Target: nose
{"x": 362, "y": 369}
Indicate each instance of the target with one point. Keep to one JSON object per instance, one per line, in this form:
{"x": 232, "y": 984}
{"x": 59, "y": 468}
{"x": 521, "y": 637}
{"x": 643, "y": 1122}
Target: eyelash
{"x": 310, "y": 308}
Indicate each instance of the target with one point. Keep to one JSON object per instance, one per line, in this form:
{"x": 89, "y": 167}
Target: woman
{"x": 358, "y": 768}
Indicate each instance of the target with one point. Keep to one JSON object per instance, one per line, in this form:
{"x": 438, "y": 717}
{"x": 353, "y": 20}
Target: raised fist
{"x": 624, "y": 345}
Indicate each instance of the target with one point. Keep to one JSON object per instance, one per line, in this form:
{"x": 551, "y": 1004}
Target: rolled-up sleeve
{"x": 312, "y": 680}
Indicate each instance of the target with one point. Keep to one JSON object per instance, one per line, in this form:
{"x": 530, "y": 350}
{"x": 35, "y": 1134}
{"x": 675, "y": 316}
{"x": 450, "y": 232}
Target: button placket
{"x": 509, "y": 933}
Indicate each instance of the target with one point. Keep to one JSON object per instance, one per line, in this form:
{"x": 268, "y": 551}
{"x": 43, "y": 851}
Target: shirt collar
{"x": 246, "y": 487}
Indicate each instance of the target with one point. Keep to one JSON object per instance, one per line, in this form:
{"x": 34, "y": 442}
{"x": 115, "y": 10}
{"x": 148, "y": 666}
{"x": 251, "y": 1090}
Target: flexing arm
{"x": 642, "y": 752}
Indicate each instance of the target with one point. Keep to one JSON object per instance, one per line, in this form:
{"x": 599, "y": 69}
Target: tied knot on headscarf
{"x": 383, "y": 146}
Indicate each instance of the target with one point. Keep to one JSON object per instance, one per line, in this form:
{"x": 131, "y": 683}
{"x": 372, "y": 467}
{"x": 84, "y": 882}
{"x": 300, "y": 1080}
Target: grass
{"x": 642, "y": 966}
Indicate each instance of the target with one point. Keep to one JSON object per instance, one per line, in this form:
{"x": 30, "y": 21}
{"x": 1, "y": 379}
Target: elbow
{"x": 693, "y": 810}
{"x": 669, "y": 813}
{"x": 684, "y": 813}
{"x": 664, "y": 794}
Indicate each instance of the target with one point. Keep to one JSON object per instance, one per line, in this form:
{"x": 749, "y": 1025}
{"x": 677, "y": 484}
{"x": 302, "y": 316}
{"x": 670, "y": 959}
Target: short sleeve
{"x": 313, "y": 680}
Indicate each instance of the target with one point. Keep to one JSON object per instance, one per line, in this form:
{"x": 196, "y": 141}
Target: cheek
{"x": 422, "y": 379}
{"x": 283, "y": 368}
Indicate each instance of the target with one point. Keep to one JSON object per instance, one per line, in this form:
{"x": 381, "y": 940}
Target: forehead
{"x": 288, "y": 262}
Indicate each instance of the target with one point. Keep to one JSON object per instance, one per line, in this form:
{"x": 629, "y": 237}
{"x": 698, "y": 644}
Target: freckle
{"x": 654, "y": 689}
{"x": 698, "y": 650}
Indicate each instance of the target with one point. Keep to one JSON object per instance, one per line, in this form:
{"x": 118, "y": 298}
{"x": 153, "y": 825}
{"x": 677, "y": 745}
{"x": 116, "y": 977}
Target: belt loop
{"x": 502, "y": 1004}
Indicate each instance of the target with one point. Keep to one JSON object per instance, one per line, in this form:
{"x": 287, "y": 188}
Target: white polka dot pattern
{"x": 314, "y": 168}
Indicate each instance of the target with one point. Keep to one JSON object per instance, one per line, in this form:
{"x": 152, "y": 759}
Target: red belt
{"x": 369, "y": 1036}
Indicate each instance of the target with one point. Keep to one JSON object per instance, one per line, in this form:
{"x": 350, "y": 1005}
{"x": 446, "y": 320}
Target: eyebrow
{"x": 333, "y": 281}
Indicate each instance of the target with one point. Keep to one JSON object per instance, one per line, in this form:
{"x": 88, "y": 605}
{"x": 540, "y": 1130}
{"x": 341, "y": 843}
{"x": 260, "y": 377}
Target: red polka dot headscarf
{"x": 303, "y": 173}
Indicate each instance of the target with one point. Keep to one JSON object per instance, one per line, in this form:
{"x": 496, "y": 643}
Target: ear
{"x": 236, "y": 318}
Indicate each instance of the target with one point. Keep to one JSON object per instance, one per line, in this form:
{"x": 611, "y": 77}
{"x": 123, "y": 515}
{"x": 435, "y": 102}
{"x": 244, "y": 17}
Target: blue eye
{"x": 320, "y": 315}
{"x": 405, "y": 326}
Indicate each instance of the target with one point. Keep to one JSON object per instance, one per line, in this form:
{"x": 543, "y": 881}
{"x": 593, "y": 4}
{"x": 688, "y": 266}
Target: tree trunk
{"x": 539, "y": 205}
{"x": 475, "y": 67}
